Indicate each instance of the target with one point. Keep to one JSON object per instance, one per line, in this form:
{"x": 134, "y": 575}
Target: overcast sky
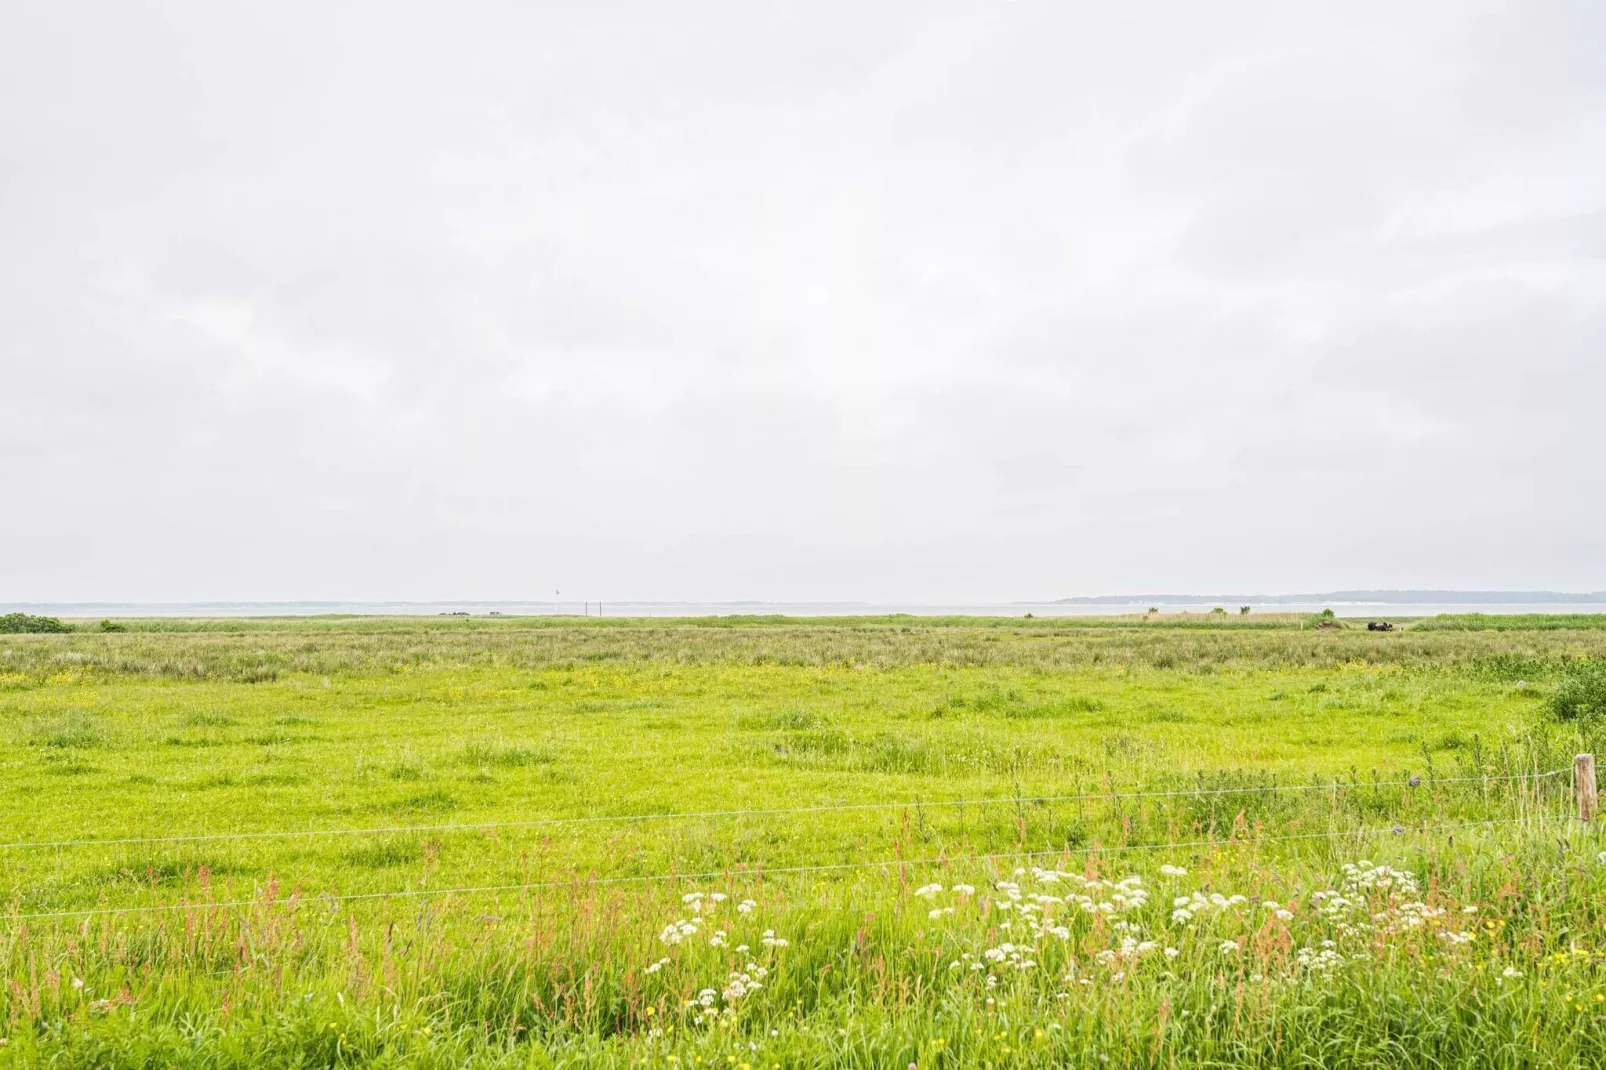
{"x": 922, "y": 301}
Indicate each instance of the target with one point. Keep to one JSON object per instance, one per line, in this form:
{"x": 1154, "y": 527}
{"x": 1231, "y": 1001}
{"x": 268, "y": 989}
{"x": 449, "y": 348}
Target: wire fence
{"x": 789, "y": 811}
{"x": 761, "y": 872}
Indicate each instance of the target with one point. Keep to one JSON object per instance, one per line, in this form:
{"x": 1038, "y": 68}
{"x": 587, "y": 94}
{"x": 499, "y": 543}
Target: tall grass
{"x": 254, "y": 657}
{"x": 523, "y": 897}
{"x": 1476, "y": 948}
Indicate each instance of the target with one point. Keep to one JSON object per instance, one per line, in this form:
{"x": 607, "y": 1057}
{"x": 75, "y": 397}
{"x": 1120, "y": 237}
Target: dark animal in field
{"x": 1379, "y": 626}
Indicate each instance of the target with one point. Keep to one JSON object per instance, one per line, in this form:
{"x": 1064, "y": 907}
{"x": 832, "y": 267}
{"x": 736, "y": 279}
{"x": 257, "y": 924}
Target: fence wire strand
{"x": 705, "y": 815}
{"x": 761, "y": 872}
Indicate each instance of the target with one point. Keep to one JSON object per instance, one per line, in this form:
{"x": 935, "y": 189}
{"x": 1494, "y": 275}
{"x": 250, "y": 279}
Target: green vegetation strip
{"x": 593, "y": 843}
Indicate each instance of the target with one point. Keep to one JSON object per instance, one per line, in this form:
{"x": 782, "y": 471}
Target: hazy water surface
{"x": 790, "y": 609}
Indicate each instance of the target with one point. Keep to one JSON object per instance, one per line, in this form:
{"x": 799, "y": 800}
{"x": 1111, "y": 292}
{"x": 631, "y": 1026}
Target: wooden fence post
{"x": 1584, "y": 786}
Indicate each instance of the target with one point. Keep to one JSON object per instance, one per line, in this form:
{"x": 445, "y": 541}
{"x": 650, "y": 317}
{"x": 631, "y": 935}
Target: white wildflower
{"x": 676, "y": 931}
{"x": 1320, "y": 961}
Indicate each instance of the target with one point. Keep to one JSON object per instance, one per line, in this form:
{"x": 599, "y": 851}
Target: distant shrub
{"x": 1218, "y": 611}
{"x": 1243, "y": 611}
{"x": 1582, "y": 694}
{"x": 1513, "y": 622}
{"x": 112, "y": 626}
{"x": 25, "y": 623}
{"x": 1512, "y": 667}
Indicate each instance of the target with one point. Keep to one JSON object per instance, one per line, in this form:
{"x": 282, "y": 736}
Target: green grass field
{"x": 489, "y": 842}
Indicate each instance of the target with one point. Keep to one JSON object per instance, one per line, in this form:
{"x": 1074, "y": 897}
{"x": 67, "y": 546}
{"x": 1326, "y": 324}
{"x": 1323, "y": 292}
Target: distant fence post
{"x": 1584, "y": 786}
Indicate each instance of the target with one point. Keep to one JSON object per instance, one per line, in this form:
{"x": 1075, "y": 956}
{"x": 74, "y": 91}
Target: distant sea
{"x": 95, "y": 610}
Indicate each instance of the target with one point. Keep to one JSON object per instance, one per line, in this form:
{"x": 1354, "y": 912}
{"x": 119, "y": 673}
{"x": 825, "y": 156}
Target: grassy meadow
{"x": 745, "y": 842}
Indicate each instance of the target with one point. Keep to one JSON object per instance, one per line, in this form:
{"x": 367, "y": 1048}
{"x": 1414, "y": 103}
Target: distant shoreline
{"x": 1343, "y": 604}
{"x": 1377, "y": 597}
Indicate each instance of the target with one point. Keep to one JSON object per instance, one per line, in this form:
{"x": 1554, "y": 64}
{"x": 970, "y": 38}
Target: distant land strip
{"x": 1380, "y": 597}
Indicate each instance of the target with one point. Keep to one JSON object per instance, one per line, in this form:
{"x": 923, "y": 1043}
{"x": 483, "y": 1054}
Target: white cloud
{"x": 880, "y": 301}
